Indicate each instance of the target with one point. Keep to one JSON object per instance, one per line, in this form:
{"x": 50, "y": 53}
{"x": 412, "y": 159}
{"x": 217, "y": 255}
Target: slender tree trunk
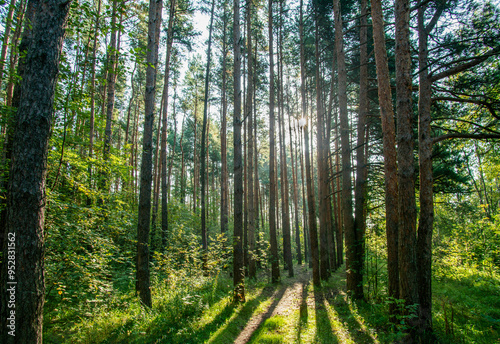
{"x": 250, "y": 148}
{"x": 163, "y": 154}
{"x": 144, "y": 213}
{"x": 6, "y": 36}
{"x": 360, "y": 188}
{"x": 354, "y": 275}
{"x": 406, "y": 171}
{"x": 111, "y": 82}
{"x": 224, "y": 216}
{"x": 92, "y": 98}
{"x": 26, "y": 189}
{"x": 275, "y": 269}
{"x": 285, "y": 204}
{"x": 14, "y": 57}
{"x": 311, "y": 205}
{"x": 425, "y": 141}
{"x": 293, "y": 154}
{"x": 204, "y": 145}
{"x": 238, "y": 264}
{"x": 389, "y": 144}
{"x": 322, "y": 177}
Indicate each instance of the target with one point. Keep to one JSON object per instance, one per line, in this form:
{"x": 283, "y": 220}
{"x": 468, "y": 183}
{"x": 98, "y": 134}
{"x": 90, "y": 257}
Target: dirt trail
{"x": 287, "y": 297}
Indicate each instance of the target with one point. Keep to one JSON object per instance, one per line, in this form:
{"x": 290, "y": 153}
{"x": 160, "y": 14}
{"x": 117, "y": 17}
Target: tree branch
{"x": 472, "y": 101}
{"x": 465, "y": 136}
{"x": 465, "y": 66}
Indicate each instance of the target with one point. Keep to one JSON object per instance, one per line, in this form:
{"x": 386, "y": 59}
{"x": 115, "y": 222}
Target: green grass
{"x": 199, "y": 309}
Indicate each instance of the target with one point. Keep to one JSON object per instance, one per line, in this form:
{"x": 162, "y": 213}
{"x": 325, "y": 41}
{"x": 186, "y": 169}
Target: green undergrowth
{"x": 199, "y": 309}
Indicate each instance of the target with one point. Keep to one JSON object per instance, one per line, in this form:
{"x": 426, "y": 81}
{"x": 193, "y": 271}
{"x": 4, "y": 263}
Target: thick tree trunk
{"x": 238, "y": 264}
{"x": 275, "y": 269}
{"x": 143, "y": 281}
{"x": 26, "y": 190}
{"x": 406, "y": 171}
{"x": 389, "y": 144}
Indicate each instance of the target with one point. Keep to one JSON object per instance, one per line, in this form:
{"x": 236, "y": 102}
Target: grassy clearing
{"x": 200, "y": 310}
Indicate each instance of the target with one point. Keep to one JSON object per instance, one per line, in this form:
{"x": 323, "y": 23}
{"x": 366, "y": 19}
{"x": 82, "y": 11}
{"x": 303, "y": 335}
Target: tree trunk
{"x": 111, "y": 82}
{"x": 204, "y": 145}
{"x": 163, "y": 154}
{"x": 6, "y": 36}
{"x": 389, "y": 144}
{"x": 322, "y": 172}
{"x": 250, "y": 148}
{"x": 275, "y": 269}
{"x": 406, "y": 171}
{"x": 26, "y": 190}
{"x": 223, "y": 135}
{"x": 360, "y": 188}
{"x": 354, "y": 280}
{"x": 238, "y": 266}
{"x": 311, "y": 205}
{"x": 143, "y": 282}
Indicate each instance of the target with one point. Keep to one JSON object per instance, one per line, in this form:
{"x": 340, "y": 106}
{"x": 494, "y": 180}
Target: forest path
{"x": 297, "y": 312}
{"x": 288, "y": 297}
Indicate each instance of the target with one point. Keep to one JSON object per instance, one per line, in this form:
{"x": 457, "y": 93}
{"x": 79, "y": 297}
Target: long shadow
{"x": 324, "y": 330}
{"x": 303, "y": 312}
{"x": 256, "y": 326}
{"x": 234, "y": 328}
{"x": 358, "y": 330}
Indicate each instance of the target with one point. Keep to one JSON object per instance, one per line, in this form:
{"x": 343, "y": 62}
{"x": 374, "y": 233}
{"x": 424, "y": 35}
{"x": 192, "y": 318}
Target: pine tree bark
{"x": 224, "y": 216}
{"x": 406, "y": 171}
{"x": 204, "y": 145}
{"x": 320, "y": 153}
{"x": 311, "y": 204}
{"x": 6, "y": 36}
{"x": 250, "y": 147}
{"x": 360, "y": 188}
{"x": 354, "y": 274}
{"x": 389, "y": 149}
{"x": 163, "y": 153}
{"x": 143, "y": 278}
{"x": 26, "y": 189}
{"x": 238, "y": 264}
{"x": 111, "y": 82}
{"x": 275, "y": 269}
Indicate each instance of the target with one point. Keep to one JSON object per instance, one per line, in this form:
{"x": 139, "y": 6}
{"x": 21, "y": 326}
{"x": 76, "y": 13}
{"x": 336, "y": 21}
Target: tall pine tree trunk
{"x": 389, "y": 149}
{"x": 204, "y": 145}
{"x": 163, "y": 154}
{"x": 238, "y": 264}
{"x": 144, "y": 212}
{"x": 354, "y": 274}
{"x": 406, "y": 171}
{"x": 275, "y": 269}
{"x": 360, "y": 188}
{"x": 26, "y": 190}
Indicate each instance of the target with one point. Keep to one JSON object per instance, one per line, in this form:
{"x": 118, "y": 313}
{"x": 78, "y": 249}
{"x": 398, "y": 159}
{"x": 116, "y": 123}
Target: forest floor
{"x": 295, "y": 312}
{"x": 196, "y": 310}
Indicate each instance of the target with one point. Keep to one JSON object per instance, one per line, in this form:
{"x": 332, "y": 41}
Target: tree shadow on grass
{"x": 353, "y": 322}
{"x": 324, "y": 330}
{"x": 303, "y": 312}
{"x": 239, "y": 323}
{"x": 252, "y": 329}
